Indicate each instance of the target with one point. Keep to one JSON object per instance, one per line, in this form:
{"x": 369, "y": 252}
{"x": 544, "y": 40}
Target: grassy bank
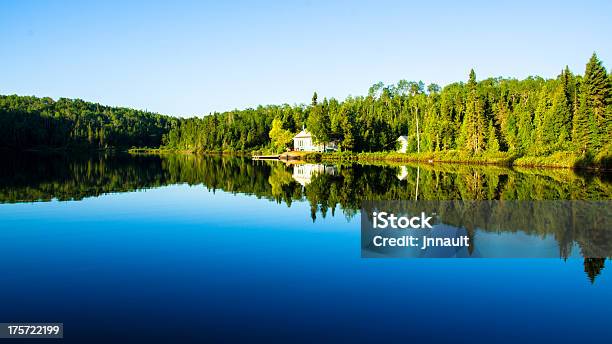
{"x": 145, "y": 150}
{"x": 445, "y": 156}
{"x": 556, "y": 160}
{"x": 564, "y": 159}
{"x": 602, "y": 161}
{"x": 183, "y": 151}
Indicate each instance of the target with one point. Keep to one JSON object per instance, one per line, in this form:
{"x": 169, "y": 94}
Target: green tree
{"x": 558, "y": 117}
{"x": 473, "y": 129}
{"x": 540, "y": 135}
{"x": 280, "y": 137}
{"x": 347, "y": 126}
{"x": 492, "y": 142}
{"x": 594, "y": 125}
{"x": 318, "y": 122}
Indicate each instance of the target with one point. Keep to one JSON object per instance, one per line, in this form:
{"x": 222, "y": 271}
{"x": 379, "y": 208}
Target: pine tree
{"x": 581, "y": 129}
{"x": 318, "y": 123}
{"x": 492, "y": 142}
{"x": 593, "y": 126}
{"x": 347, "y": 126}
{"x": 473, "y": 128}
{"x": 524, "y": 128}
{"x": 558, "y": 117}
{"x": 540, "y": 138}
{"x": 569, "y": 84}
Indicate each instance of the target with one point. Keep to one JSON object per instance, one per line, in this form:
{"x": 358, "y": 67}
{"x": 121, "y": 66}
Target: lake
{"x": 182, "y": 247}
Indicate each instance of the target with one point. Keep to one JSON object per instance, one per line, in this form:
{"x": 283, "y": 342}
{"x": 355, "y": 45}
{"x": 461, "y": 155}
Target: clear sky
{"x": 191, "y": 58}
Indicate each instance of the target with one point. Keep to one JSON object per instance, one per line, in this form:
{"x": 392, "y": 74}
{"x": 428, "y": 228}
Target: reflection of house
{"x": 303, "y": 141}
{"x": 303, "y": 173}
{"x": 403, "y": 143}
{"x": 403, "y": 173}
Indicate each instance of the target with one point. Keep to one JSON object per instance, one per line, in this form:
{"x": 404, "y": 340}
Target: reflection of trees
{"x": 593, "y": 267}
{"x": 43, "y": 177}
{"x": 34, "y": 177}
{"x": 280, "y": 181}
{"x": 585, "y": 223}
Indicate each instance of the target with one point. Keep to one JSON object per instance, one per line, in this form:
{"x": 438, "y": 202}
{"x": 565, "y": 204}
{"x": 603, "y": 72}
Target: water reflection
{"x": 303, "y": 173}
{"x": 328, "y": 188}
{"x": 42, "y": 177}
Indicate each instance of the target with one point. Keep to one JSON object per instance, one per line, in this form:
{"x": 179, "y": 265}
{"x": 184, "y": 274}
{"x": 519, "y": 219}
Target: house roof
{"x": 303, "y": 134}
{"x": 403, "y": 137}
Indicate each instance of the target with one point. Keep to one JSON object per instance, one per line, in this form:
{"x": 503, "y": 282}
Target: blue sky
{"x": 191, "y": 58}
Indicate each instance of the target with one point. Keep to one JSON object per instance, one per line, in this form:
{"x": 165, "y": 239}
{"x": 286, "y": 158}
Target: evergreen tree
{"x": 492, "y": 142}
{"x": 473, "y": 129}
{"x": 524, "y": 128}
{"x": 569, "y": 85}
{"x": 347, "y": 126}
{"x": 539, "y": 135}
{"x": 558, "y": 117}
{"x": 593, "y": 127}
{"x": 318, "y": 123}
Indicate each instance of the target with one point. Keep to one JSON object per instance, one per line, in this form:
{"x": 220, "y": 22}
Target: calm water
{"x": 125, "y": 248}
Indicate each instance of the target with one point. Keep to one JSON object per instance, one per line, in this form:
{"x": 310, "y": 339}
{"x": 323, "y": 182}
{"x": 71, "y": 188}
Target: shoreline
{"x": 574, "y": 162}
{"x": 558, "y": 160}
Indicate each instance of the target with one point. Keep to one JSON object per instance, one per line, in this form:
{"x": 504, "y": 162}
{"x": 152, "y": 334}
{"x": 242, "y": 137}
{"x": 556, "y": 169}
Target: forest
{"x": 535, "y": 117}
{"x": 31, "y": 122}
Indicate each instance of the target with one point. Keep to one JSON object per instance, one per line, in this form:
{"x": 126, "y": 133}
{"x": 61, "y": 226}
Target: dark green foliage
{"x": 533, "y": 117}
{"x": 593, "y": 267}
{"x": 234, "y": 130}
{"x": 30, "y": 122}
{"x": 473, "y": 128}
{"x": 318, "y": 121}
{"x": 492, "y": 142}
{"x": 592, "y": 128}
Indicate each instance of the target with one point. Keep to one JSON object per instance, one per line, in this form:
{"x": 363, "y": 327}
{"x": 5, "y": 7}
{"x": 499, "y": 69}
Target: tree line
{"x": 31, "y": 122}
{"x": 534, "y": 116}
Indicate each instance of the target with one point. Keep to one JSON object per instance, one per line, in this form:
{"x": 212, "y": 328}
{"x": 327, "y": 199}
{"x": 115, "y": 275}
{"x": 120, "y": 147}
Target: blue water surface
{"x": 180, "y": 263}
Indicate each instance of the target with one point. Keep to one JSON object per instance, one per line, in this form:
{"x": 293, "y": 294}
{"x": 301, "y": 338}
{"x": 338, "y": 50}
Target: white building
{"x": 403, "y": 140}
{"x": 303, "y": 141}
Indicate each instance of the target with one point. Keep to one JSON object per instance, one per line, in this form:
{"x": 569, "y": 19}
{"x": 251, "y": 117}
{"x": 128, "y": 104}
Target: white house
{"x": 303, "y": 141}
{"x": 403, "y": 140}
